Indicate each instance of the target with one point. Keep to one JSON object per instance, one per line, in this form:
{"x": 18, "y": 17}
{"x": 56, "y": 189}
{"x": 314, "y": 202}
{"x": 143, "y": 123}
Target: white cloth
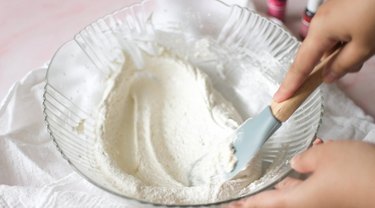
{"x": 32, "y": 171}
{"x": 34, "y": 174}
{"x": 343, "y": 119}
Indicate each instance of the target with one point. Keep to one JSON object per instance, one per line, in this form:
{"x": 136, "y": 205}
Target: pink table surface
{"x": 31, "y": 32}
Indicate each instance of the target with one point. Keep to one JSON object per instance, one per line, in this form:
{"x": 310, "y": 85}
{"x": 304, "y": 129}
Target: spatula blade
{"x": 249, "y": 138}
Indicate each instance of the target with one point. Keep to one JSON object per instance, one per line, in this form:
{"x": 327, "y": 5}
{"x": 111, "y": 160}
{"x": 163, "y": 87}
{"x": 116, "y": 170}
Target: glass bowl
{"x": 239, "y": 43}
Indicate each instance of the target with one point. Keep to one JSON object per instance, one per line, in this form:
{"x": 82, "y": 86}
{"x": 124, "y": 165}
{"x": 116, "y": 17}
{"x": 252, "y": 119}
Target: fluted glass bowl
{"x": 241, "y": 42}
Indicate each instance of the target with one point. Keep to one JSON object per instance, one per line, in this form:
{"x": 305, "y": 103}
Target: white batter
{"x": 159, "y": 122}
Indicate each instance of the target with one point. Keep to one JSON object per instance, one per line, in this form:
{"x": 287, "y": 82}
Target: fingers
{"x": 350, "y": 58}
{"x": 356, "y": 68}
{"x": 288, "y": 183}
{"x": 267, "y": 199}
{"x": 272, "y": 198}
{"x": 306, "y": 162}
{"x": 237, "y": 204}
{"x": 309, "y": 54}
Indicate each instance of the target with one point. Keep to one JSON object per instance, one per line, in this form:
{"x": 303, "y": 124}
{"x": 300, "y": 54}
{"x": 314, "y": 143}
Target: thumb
{"x": 306, "y": 162}
{"x": 308, "y": 55}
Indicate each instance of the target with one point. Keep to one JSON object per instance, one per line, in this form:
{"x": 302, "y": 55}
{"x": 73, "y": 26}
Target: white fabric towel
{"x": 33, "y": 173}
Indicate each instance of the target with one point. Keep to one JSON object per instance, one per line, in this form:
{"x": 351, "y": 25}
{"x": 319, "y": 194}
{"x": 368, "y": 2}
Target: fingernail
{"x": 318, "y": 141}
{"x": 278, "y": 95}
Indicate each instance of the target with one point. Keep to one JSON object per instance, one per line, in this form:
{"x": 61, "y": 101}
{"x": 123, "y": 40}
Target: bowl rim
{"x": 221, "y": 202}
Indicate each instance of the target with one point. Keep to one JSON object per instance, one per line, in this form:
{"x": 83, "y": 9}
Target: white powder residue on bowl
{"x": 159, "y": 122}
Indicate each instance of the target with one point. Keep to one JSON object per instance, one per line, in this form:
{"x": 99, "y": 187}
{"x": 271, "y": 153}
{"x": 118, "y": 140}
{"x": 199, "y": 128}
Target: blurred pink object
{"x": 276, "y": 9}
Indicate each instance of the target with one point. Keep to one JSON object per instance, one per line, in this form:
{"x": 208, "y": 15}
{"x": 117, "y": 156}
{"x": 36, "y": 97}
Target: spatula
{"x": 254, "y": 132}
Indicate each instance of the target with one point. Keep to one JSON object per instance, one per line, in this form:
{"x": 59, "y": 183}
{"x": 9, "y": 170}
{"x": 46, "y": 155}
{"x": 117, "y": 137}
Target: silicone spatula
{"x": 254, "y": 132}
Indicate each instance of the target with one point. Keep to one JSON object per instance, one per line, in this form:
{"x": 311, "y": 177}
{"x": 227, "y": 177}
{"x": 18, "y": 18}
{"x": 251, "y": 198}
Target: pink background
{"x": 31, "y": 32}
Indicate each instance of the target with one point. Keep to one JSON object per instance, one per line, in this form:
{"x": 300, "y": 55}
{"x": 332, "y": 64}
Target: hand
{"x": 336, "y": 21}
{"x": 342, "y": 175}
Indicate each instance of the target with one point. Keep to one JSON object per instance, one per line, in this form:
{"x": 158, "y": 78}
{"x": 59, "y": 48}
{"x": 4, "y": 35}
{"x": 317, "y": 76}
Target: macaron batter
{"x": 160, "y": 121}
